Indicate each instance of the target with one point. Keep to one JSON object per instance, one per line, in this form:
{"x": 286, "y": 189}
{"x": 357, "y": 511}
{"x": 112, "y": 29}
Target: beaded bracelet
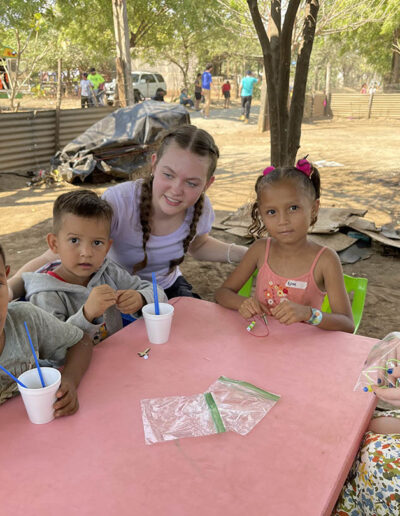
{"x": 316, "y": 317}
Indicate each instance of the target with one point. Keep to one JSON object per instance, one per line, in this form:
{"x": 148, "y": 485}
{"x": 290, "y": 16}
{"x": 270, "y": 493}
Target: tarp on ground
{"x": 120, "y": 143}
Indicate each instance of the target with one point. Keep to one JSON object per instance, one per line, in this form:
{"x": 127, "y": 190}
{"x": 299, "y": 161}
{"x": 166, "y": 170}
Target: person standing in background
{"x": 85, "y": 91}
{"x": 197, "y": 92}
{"x": 226, "y": 92}
{"x": 206, "y": 80}
{"x": 246, "y": 94}
{"x": 97, "y": 81}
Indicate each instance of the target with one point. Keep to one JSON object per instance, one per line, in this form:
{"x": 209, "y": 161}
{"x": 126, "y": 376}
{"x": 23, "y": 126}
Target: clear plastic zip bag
{"x": 382, "y": 358}
{"x": 228, "y": 405}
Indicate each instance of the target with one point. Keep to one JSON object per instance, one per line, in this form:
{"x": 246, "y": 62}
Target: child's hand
{"x": 390, "y": 395}
{"x": 129, "y": 301}
{"x": 288, "y": 312}
{"x": 67, "y": 398}
{"x": 251, "y": 306}
{"x": 100, "y": 298}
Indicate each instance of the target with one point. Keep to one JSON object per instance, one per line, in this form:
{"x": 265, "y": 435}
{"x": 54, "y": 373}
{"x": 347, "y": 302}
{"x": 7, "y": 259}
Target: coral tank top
{"x": 271, "y": 288}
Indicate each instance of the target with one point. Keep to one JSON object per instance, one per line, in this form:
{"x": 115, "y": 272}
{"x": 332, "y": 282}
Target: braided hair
{"x": 198, "y": 141}
{"x": 311, "y": 185}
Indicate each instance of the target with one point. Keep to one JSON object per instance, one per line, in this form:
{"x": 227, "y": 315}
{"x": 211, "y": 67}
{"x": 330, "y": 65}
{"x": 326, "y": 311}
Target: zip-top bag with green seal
{"x": 227, "y": 406}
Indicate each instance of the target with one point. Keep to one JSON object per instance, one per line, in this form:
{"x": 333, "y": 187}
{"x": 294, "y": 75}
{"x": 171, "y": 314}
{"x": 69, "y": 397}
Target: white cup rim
{"x": 39, "y": 390}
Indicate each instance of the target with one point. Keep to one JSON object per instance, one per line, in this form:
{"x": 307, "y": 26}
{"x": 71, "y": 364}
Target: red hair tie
{"x": 304, "y": 166}
{"x": 268, "y": 170}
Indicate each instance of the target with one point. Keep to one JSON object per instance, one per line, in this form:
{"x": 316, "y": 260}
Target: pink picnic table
{"x": 293, "y": 462}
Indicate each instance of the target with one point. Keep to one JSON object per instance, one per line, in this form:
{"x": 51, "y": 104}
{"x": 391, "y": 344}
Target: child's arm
{"x": 341, "y": 318}
{"x": 392, "y": 395}
{"x": 387, "y": 425}
{"x": 76, "y": 363}
{"x": 205, "y": 247}
{"x": 16, "y": 285}
{"x": 227, "y": 295}
{"x": 57, "y": 304}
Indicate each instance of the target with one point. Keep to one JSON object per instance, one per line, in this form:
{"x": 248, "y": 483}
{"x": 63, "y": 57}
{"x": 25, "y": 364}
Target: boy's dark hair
{"x": 311, "y": 185}
{"x": 2, "y": 254}
{"x": 82, "y": 203}
{"x": 193, "y": 139}
{"x": 209, "y": 66}
{"x": 85, "y": 74}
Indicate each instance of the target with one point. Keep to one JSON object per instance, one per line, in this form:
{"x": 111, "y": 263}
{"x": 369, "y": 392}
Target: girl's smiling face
{"x": 180, "y": 177}
{"x": 286, "y": 210}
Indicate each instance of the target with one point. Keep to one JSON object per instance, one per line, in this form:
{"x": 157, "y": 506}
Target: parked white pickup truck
{"x": 144, "y": 84}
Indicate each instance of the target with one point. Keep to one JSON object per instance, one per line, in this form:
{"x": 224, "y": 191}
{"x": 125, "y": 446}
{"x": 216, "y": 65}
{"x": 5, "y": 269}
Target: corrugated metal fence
{"x": 28, "y": 140}
{"x": 363, "y": 106}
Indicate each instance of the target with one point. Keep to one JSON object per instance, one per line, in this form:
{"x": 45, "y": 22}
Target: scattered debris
{"x": 144, "y": 354}
{"x": 343, "y": 229}
{"x": 324, "y": 163}
{"x": 47, "y": 177}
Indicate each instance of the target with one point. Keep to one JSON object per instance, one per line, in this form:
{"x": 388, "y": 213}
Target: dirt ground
{"x": 369, "y": 178}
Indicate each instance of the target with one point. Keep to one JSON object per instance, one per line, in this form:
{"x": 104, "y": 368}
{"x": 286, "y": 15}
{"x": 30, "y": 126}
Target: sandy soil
{"x": 370, "y": 178}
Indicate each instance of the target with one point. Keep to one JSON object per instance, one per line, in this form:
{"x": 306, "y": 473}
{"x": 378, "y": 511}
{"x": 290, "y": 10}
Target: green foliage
{"x": 366, "y": 30}
{"x": 22, "y": 14}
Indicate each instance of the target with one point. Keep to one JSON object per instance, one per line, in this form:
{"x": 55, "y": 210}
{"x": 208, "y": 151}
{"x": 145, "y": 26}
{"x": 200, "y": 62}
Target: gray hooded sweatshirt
{"x": 65, "y": 300}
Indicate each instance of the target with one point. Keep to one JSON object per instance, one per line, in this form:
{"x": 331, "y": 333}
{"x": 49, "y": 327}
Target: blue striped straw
{"x": 156, "y": 305}
{"x": 34, "y": 355}
{"x": 13, "y": 377}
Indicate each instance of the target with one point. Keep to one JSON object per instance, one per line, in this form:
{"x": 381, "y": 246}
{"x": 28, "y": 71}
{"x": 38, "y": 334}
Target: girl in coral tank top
{"x": 294, "y": 272}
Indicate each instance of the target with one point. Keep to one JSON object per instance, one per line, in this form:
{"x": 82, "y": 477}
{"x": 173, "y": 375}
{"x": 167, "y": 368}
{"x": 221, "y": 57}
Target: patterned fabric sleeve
{"x": 372, "y": 487}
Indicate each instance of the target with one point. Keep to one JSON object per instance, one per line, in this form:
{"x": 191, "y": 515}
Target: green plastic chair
{"x": 245, "y": 291}
{"x": 357, "y": 287}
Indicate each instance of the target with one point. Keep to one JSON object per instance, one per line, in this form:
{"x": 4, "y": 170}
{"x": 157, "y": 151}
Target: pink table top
{"x": 293, "y": 462}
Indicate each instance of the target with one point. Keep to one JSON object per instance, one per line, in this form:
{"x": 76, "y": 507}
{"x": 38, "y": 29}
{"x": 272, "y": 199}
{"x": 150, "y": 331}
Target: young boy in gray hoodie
{"x": 85, "y": 287}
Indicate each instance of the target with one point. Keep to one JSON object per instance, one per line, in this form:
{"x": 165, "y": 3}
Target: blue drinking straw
{"x": 34, "y": 355}
{"x": 156, "y": 305}
{"x": 13, "y": 377}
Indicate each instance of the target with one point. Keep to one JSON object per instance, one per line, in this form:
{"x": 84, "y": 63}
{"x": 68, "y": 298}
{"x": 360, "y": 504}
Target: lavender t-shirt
{"x": 127, "y": 234}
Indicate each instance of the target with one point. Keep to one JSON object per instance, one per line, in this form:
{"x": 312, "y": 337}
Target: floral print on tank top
{"x": 274, "y": 293}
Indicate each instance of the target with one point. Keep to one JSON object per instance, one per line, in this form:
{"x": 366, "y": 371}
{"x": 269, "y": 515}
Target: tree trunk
{"x": 123, "y": 59}
{"x": 300, "y": 81}
{"x": 58, "y": 105}
{"x": 263, "y": 118}
{"x": 59, "y": 84}
{"x": 395, "y": 72}
{"x": 284, "y": 76}
{"x": 270, "y": 75}
{"x": 276, "y": 48}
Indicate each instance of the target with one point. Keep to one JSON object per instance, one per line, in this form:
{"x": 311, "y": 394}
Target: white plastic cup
{"x": 39, "y": 400}
{"x": 158, "y": 326}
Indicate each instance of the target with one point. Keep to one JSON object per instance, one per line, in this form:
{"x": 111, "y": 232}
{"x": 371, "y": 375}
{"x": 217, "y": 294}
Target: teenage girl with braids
{"x": 159, "y": 219}
{"x": 294, "y": 272}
